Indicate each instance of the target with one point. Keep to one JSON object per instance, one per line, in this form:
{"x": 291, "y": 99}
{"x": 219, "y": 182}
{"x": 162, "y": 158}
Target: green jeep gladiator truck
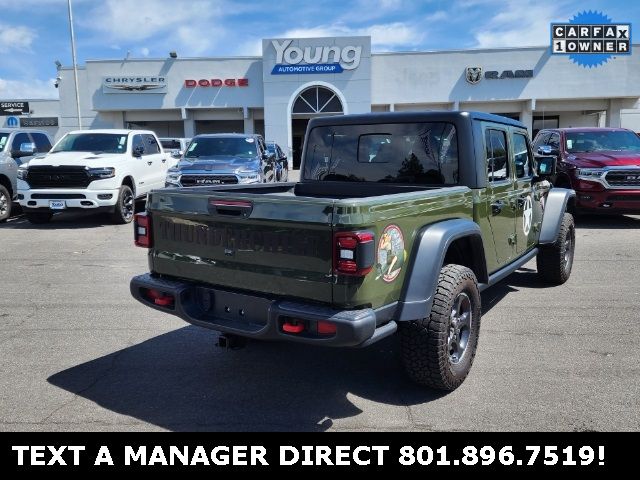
{"x": 398, "y": 223}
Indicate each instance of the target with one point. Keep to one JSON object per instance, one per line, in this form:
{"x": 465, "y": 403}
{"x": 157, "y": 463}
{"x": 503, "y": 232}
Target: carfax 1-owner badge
{"x": 391, "y": 254}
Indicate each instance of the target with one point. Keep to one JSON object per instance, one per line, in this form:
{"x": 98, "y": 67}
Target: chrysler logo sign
{"x": 134, "y": 84}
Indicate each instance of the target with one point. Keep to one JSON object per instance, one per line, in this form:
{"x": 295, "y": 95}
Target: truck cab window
{"x": 497, "y": 155}
{"x": 414, "y": 154}
{"x": 138, "y": 142}
{"x": 521, "y": 156}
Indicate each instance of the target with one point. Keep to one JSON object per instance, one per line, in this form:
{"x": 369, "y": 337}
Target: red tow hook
{"x": 293, "y": 326}
{"x": 159, "y": 298}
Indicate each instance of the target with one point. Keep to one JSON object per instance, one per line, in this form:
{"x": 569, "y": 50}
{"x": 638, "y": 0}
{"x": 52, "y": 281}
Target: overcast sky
{"x": 34, "y": 33}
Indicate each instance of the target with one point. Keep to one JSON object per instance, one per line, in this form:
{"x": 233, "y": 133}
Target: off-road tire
{"x": 555, "y": 261}
{"x": 5, "y": 204}
{"x": 425, "y": 347}
{"x": 39, "y": 218}
{"x": 126, "y": 206}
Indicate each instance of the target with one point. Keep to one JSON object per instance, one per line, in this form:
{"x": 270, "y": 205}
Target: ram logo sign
{"x": 291, "y": 59}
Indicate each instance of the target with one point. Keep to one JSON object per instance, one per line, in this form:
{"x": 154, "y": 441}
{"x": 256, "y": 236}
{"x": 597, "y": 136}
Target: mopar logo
{"x": 208, "y": 181}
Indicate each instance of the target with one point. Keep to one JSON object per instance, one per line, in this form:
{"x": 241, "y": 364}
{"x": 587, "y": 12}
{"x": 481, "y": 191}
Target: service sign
{"x": 134, "y": 84}
{"x": 13, "y": 108}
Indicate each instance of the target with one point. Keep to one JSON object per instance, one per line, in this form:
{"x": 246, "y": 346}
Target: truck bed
{"x": 279, "y": 239}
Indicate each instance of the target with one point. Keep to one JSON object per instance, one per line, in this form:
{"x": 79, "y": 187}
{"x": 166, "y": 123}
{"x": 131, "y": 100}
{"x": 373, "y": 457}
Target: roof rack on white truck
{"x": 99, "y": 170}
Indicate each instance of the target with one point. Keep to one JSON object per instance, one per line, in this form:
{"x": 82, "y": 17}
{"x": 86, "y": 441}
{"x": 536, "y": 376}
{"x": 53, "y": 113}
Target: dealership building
{"x": 297, "y": 79}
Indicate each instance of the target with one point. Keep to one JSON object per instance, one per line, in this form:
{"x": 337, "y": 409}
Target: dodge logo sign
{"x": 473, "y": 75}
{"x": 217, "y": 82}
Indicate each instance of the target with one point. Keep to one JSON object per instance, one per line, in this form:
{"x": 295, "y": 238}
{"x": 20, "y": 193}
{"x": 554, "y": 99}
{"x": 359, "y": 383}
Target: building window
{"x": 317, "y": 100}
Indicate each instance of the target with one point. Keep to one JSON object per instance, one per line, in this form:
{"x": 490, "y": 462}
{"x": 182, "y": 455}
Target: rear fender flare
{"x": 429, "y": 252}
{"x": 556, "y": 205}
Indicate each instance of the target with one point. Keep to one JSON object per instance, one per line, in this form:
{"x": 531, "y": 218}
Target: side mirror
{"x": 176, "y": 153}
{"x": 546, "y": 165}
{"x": 138, "y": 151}
{"x": 26, "y": 150}
{"x": 547, "y": 150}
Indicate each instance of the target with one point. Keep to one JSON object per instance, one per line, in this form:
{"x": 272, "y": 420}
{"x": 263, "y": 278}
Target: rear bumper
{"x": 609, "y": 201}
{"x": 259, "y": 317}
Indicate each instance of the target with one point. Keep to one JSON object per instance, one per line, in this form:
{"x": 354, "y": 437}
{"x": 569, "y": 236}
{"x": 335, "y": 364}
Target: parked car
{"x": 98, "y": 170}
{"x": 282, "y": 162}
{"x": 601, "y": 164}
{"x": 224, "y": 158}
{"x": 17, "y": 147}
{"x": 175, "y": 146}
{"x": 396, "y": 225}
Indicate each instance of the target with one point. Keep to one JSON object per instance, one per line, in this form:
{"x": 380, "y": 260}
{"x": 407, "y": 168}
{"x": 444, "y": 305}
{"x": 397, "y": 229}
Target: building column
{"x": 189, "y": 123}
{"x": 613, "y": 113}
{"x": 247, "y": 116}
{"x": 526, "y": 115}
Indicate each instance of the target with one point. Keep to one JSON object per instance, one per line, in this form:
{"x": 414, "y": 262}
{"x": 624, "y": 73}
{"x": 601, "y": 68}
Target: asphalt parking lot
{"x": 78, "y": 353}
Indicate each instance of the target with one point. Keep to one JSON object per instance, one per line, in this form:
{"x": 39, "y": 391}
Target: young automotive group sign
{"x": 292, "y": 59}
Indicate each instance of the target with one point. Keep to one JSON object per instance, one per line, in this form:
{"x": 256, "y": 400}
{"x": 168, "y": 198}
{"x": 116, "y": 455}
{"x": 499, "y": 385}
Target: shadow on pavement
{"x": 60, "y": 221}
{"x": 605, "y": 222}
{"x": 65, "y": 220}
{"x": 180, "y": 381}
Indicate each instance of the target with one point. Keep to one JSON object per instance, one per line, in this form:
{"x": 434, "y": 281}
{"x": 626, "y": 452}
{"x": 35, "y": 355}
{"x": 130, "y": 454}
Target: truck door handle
{"x": 149, "y": 162}
{"x": 496, "y": 207}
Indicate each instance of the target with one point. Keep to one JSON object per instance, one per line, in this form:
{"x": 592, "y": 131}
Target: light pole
{"x": 75, "y": 64}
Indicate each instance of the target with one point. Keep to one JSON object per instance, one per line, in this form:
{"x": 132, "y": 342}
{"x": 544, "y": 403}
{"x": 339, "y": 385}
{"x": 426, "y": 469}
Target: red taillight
{"x": 326, "y": 328}
{"x": 354, "y": 253}
{"x": 142, "y": 230}
{"x": 159, "y": 298}
{"x": 292, "y": 325}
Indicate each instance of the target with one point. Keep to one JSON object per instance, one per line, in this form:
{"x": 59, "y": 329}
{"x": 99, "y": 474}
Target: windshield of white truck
{"x": 411, "y": 153}
{"x": 92, "y": 142}
{"x": 239, "y": 147}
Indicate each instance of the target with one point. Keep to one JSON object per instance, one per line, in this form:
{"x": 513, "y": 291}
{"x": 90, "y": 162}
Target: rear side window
{"x": 521, "y": 156}
{"x": 422, "y": 153}
{"x": 497, "y": 158}
{"x": 42, "y": 142}
{"x": 150, "y": 145}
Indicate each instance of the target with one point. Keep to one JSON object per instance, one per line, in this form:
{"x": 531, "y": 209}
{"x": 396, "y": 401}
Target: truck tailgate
{"x": 275, "y": 244}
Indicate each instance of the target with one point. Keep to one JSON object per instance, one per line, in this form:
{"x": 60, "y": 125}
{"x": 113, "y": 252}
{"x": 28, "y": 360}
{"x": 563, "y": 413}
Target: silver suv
{"x": 16, "y": 148}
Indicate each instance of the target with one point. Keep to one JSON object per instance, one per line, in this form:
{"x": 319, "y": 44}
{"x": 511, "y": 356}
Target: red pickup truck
{"x": 601, "y": 164}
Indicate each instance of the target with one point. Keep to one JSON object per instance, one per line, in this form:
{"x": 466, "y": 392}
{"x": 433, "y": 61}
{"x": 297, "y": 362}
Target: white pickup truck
{"x": 100, "y": 170}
